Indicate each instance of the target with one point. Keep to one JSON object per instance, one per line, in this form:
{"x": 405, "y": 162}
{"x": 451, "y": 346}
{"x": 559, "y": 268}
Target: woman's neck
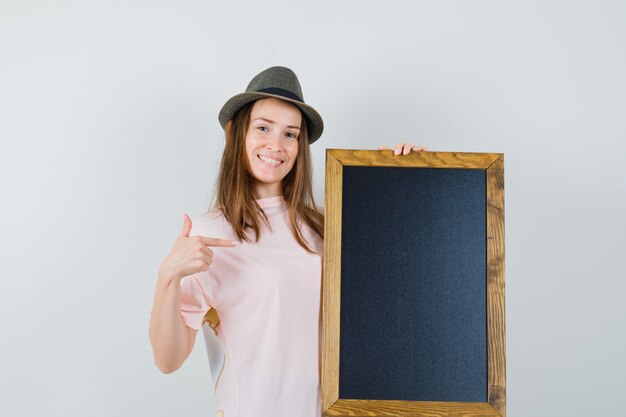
{"x": 267, "y": 191}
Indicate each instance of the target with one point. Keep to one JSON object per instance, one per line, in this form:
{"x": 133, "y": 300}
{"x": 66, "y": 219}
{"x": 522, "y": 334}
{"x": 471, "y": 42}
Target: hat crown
{"x": 276, "y": 77}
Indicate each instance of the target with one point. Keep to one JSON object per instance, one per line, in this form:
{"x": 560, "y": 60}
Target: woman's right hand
{"x": 190, "y": 255}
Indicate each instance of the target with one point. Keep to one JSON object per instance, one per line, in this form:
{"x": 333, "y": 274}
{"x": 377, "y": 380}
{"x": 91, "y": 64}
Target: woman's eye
{"x": 262, "y": 128}
{"x": 291, "y": 135}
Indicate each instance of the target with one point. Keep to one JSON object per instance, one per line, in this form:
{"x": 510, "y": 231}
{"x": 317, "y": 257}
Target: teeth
{"x": 269, "y": 160}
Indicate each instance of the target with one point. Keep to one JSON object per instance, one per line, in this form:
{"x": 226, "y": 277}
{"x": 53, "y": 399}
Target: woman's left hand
{"x": 404, "y": 148}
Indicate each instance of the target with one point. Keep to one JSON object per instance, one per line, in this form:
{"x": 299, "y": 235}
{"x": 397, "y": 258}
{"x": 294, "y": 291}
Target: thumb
{"x": 186, "y": 226}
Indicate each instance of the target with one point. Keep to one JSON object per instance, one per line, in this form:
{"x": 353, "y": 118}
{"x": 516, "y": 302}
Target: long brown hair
{"x": 234, "y": 186}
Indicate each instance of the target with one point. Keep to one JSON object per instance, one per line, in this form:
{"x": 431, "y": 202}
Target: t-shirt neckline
{"x": 270, "y": 201}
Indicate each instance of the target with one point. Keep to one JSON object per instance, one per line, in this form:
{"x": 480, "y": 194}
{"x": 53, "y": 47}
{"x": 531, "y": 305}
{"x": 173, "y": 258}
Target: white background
{"x": 109, "y": 132}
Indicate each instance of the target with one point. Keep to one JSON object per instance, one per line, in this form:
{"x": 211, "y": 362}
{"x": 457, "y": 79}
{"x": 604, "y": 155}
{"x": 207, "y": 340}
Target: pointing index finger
{"x": 213, "y": 241}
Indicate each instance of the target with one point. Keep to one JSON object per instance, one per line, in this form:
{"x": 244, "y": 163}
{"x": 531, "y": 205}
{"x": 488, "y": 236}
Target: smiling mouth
{"x": 269, "y": 161}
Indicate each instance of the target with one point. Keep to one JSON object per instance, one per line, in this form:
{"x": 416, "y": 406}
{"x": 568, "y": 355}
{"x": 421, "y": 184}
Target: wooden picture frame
{"x": 492, "y": 164}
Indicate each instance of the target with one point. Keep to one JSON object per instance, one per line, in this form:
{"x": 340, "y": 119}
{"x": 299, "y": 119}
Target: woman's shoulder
{"x": 209, "y": 223}
{"x": 311, "y": 236}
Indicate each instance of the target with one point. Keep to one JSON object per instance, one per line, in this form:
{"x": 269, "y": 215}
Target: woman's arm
{"x": 171, "y": 339}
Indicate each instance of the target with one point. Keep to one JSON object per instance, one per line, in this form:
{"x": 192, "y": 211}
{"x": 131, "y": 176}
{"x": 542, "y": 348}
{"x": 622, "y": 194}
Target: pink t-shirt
{"x": 267, "y": 295}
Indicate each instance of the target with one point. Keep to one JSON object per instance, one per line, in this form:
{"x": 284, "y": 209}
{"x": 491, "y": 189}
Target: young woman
{"x": 255, "y": 258}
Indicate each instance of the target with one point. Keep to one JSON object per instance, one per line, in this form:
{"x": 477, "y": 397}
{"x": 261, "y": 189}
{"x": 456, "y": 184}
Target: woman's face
{"x": 272, "y": 143}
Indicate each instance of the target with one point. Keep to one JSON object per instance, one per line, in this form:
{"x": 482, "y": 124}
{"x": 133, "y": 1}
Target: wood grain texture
{"x": 388, "y": 408}
{"x": 495, "y": 287}
{"x": 386, "y": 158}
{"x": 331, "y": 285}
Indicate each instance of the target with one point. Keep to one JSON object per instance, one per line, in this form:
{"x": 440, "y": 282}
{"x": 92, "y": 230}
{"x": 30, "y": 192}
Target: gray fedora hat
{"x": 277, "y": 82}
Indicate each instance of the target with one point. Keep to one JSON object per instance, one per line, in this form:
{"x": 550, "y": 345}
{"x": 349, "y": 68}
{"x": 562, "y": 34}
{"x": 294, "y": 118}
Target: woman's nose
{"x": 273, "y": 140}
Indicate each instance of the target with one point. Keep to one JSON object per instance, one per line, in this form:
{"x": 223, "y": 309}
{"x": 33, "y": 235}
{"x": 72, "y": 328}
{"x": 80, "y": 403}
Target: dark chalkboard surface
{"x": 413, "y": 284}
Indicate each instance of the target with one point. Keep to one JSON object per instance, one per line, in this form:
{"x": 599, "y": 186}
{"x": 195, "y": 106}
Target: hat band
{"x": 281, "y": 92}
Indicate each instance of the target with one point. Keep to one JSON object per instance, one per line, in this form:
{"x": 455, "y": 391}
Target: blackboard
{"x": 413, "y": 291}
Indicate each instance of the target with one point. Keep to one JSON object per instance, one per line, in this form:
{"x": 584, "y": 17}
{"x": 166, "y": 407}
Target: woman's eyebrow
{"x": 272, "y": 122}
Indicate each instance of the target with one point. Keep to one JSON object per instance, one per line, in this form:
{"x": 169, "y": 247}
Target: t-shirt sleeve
{"x": 194, "y": 302}
{"x": 195, "y": 297}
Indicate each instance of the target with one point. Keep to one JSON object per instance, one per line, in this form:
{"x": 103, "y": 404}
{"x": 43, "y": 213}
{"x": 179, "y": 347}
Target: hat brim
{"x": 314, "y": 120}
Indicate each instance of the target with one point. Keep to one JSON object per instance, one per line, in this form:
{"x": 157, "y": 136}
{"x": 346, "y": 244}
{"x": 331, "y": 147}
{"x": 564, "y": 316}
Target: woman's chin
{"x": 268, "y": 176}
{"x": 268, "y": 179}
